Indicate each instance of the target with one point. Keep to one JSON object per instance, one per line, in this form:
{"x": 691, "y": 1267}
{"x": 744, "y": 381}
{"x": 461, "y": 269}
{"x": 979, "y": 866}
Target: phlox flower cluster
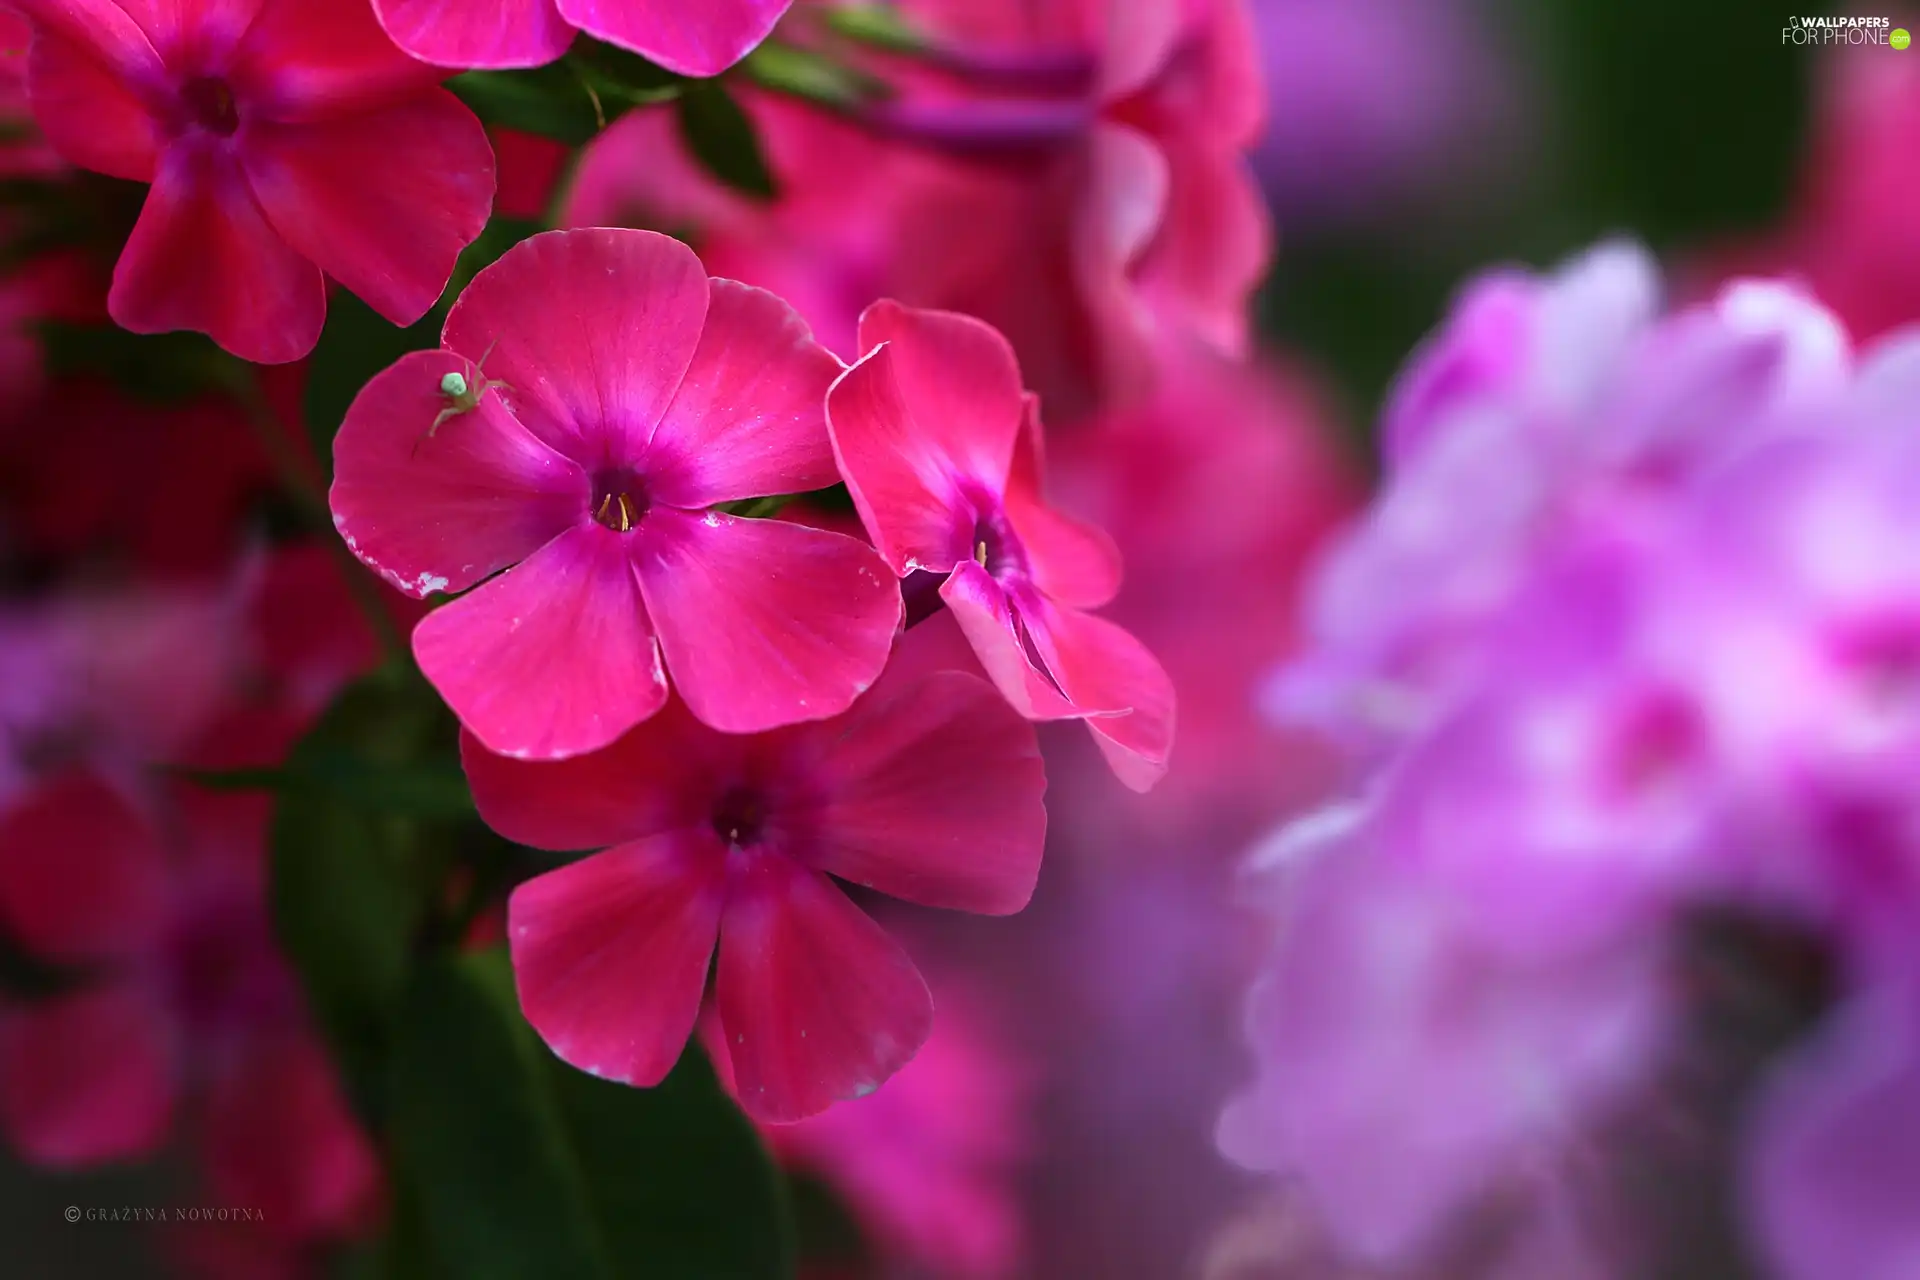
{"x": 1623, "y": 654}
{"x": 643, "y": 670}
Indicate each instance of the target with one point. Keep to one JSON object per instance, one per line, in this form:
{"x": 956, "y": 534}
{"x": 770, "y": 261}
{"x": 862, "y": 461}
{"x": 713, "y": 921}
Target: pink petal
{"x": 611, "y": 953}
{"x": 934, "y": 793}
{"x": 909, "y": 504}
{"x": 1213, "y": 245}
{"x": 1099, "y": 664}
{"x": 656, "y": 778}
{"x": 102, "y": 30}
{"x": 701, "y": 39}
{"x": 82, "y": 875}
{"x": 86, "y": 1079}
{"x": 204, "y": 257}
{"x": 441, "y": 513}
{"x": 1071, "y": 561}
{"x": 592, "y": 329}
{"x": 280, "y": 1138}
{"x": 960, "y": 383}
{"x": 551, "y": 658}
{"x": 764, "y": 623}
{"x": 461, "y": 33}
{"x": 385, "y": 201}
{"x": 750, "y": 418}
{"x": 319, "y": 59}
{"x": 984, "y": 613}
{"x": 1833, "y": 1169}
{"x": 1136, "y": 40}
{"x": 89, "y": 112}
{"x": 193, "y": 33}
{"x": 818, "y": 1004}
{"x": 1123, "y": 203}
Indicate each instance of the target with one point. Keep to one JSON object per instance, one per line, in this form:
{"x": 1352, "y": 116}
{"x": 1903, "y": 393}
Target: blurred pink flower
{"x": 1072, "y": 174}
{"x": 928, "y": 791}
{"x": 1217, "y": 490}
{"x": 941, "y": 450}
{"x": 152, "y": 893}
{"x": 283, "y": 140}
{"x": 595, "y": 400}
{"x": 1640, "y": 592}
{"x": 928, "y": 1161}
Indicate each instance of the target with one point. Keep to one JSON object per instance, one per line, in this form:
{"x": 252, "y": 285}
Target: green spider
{"x": 461, "y": 395}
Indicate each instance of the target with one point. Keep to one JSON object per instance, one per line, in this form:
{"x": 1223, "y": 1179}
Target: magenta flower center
{"x": 209, "y": 104}
{"x": 997, "y": 548}
{"x": 619, "y": 500}
{"x": 740, "y": 818}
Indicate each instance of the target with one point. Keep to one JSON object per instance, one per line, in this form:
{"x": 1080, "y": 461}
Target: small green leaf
{"x": 552, "y": 101}
{"x": 523, "y": 1166}
{"x": 879, "y": 25}
{"x": 571, "y": 100}
{"x": 721, "y": 136}
{"x": 802, "y": 73}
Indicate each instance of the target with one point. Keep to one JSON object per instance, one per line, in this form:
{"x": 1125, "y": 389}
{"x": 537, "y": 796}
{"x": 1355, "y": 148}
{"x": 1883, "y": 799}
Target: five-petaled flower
{"x": 624, "y": 396}
{"x": 928, "y": 790}
{"x": 283, "y": 139}
{"x": 940, "y": 448}
{"x": 694, "y": 39}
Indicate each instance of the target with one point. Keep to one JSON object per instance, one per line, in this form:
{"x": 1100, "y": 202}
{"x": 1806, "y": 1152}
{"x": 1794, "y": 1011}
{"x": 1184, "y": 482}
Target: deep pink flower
{"x": 928, "y": 1162}
{"x": 694, "y": 39}
{"x": 618, "y": 395}
{"x": 941, "y": 450}
{"x": 1071, "y": 173}
{"x": 928, "y": 791}
{"x": 283, "y": 139}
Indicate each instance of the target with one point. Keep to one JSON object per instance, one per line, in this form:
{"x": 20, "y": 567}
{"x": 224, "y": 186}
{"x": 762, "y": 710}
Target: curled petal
{"x": 908, "y": 502}
{"x": 997, "y": 635}
{"x": 1072, "y": 561}
{"x": 610, "y": 953}
{"x": 551, "y": 658}
{"x": 960, "y": 383}
{"x": 817, "y": 1003}
{"x": 1100, "y": 664}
